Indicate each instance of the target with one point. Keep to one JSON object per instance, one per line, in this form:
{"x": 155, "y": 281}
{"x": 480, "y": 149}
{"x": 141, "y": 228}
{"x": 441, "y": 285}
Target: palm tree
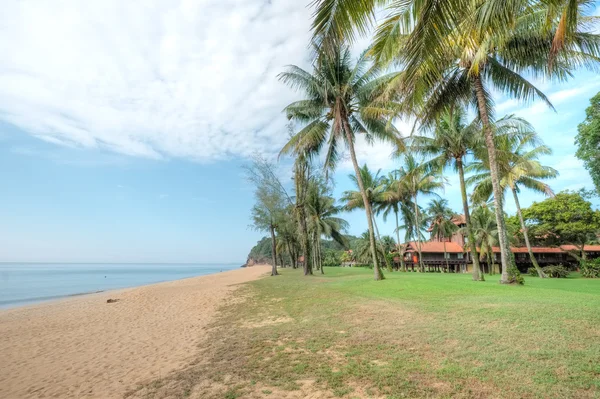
{"x": 485, "y": 231}
{"x": 455, "y": 52}
{"x": 441, "y": 221}
{"x": 339, "y": 104}
{"x": 395, "y": 199}
{"x": 418, "y": 179}
{"x": 322, "y": 220}
{"x": 518, "y": 166}
{"x": 374, "y": 186}
{"x": 450, "y": 143}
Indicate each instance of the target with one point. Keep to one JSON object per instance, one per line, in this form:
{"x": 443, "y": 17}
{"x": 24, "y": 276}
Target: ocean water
{"x": 22, "y": 284}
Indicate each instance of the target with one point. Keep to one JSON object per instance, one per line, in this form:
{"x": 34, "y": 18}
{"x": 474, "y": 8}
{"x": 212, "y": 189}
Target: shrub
{"x": 590, "y": 268}
{"x": 556, "y": 271}
{"x": 532, "y": 272}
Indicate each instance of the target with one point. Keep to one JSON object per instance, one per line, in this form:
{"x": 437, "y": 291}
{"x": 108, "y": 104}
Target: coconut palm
{"x": 457, "y": 51}
{"x": 374, "y": 186}
{"x": 340, "y": 102}
{"x": 441, "y": 222}
{"x": 518, "y": 167}
{"x": 485, "y": 231}
{"x": 450, "y": 143}
{"x": 418, "y": 179}
{"x": 394, "y": 199}
{"x": 322, "y": 219}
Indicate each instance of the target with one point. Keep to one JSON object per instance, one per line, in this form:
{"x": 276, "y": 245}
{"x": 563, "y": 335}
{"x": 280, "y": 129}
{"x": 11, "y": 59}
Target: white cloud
{"x": 163, "y": 78}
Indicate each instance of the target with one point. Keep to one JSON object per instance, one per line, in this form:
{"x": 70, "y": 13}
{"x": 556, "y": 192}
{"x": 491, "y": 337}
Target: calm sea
{"x": 22, "y": 284}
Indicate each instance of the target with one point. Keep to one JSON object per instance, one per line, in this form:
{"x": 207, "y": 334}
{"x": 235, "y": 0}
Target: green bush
{"x": 532, "y": 272}
{"x": 590, "y": 268}
{"x": 555, "y": 271}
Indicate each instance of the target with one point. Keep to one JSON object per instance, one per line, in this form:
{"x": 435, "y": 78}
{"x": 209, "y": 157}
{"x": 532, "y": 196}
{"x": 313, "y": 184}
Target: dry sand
{"x": 86, "y": 348}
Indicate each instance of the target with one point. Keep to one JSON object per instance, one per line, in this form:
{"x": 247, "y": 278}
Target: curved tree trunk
{"x": 378, "y": 274}
{"x": 273, "y": 252}
{"x": 477, "y": 274}
{"x": 418, "y": 231}
{"x": 539, "y": 270}
{"x": 509, "y": 269}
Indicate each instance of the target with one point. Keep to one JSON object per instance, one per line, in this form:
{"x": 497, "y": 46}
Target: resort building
{"x": 451, "y": 254}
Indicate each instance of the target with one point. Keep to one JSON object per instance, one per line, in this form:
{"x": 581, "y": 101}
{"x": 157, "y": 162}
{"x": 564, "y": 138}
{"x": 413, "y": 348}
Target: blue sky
{"x": 123, "y": 129}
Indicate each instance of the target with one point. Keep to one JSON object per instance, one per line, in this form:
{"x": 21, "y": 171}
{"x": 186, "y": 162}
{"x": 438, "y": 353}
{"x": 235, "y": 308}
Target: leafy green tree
{"x": 518, "y": 167}
{"x": 340, "y": 102}
{"x": 588, "y": 140}
{"x": 440, "y": 217}
{"x": 564, "y": 218}
{"x": 266, "y": 213}
{"x": 450, "y": 143}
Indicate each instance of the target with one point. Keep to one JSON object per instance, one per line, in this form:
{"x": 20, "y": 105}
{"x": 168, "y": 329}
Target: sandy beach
{"x": 84, "y": 347}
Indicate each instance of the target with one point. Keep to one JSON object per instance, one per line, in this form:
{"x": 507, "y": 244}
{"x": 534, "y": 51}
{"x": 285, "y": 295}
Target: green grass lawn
{"x": 412, "y": 335}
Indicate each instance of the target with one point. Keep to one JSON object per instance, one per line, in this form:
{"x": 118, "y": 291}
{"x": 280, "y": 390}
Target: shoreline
{"x": 26, "y": 302}
{"x": 81, "y": 346}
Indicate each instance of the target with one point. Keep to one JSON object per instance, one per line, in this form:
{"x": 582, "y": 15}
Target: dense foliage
{"x": 590, "y": 268}
{"x": 588, "y": 140}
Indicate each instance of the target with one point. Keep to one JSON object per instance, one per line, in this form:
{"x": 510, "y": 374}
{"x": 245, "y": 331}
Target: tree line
{"x": 432, "y": 63}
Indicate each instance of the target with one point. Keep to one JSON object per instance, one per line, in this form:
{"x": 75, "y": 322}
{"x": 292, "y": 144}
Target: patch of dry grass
{"x": 410, "y": 336}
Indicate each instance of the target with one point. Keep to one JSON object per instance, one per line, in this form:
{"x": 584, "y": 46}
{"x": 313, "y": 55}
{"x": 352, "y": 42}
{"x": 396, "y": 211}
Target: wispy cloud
{"x": 156, "y": 79}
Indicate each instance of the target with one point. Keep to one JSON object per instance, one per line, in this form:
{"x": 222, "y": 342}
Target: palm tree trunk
{"x": 418, "y": 232}
{"x": 402, "y": 265}
{"x": 305, "y": 243}
{"x": 477, "y": 274}
{"x": 539, "y": 270}
{"x": 387, "y": 261}
{"x": 446, "y": 257}
{"x": 273, "y": 252}
{"x": 509, "y": 269}
{"x": 368, "y": 210}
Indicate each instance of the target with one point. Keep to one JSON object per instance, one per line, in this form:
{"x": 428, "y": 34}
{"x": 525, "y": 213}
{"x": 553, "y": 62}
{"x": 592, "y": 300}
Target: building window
{"x": 447, "y": 255}
{"x": 460, "y": 256}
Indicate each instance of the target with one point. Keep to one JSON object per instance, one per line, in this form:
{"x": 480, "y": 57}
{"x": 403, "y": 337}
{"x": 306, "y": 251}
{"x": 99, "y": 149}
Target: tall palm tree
{"x": 340, "y": 102}
{"x": 441, "y": 221}
{"x": 450, "y": 143}
{"x": 518, "y": 166}
{"x": 302, "y": 172}
{"x": 322, "y": 219}
{"x": 418, "y": 179}
{"x": 374, "y": 186}
{"x": 457, "y": 51}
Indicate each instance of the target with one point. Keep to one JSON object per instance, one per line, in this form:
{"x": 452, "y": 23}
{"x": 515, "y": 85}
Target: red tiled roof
{"x": 592, "y": 248}
{"x": 435, "y": 247}
{"x": 535, "y": 250}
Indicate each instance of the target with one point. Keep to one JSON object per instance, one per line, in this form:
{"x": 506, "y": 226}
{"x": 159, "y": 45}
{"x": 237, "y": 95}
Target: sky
{"x": 124, "y": 127}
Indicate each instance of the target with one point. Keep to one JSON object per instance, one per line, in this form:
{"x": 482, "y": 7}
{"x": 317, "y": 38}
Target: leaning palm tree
{"x": 518, "y": 167}
{"x": 419, "y": 179}
{"x": 374, "y": 186}
{"x": 340, "y": 102}
{"x": 441, "y": 221}
{"x": 450, "y": 143}
{"x": 322, "y": 219}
